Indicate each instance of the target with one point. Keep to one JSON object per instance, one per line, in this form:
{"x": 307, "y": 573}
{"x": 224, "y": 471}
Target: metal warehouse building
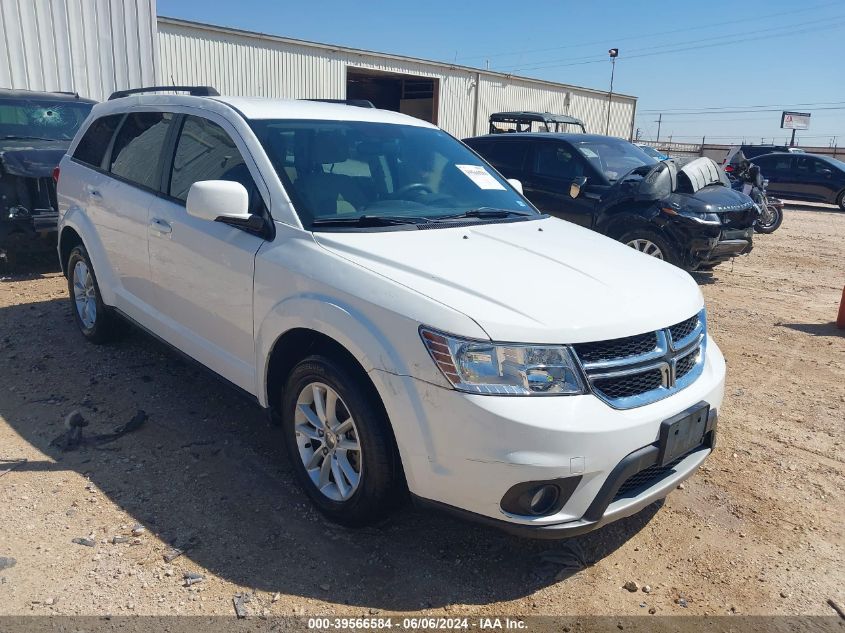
{"x": 97, "y": 46}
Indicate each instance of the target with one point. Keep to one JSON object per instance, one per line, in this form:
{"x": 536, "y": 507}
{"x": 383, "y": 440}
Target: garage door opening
{"x": 409, "y": 94}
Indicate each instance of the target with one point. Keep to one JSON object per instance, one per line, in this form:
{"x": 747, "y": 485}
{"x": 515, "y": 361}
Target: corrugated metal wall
{"x": 241, "y": 63}
{"x": 92, "y": 47}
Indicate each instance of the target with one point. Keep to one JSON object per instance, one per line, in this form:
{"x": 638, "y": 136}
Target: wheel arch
{"x": 69, "y": 238}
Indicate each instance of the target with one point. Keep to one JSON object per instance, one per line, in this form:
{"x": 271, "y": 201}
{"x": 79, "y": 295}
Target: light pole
{"x": 614, "y": 53}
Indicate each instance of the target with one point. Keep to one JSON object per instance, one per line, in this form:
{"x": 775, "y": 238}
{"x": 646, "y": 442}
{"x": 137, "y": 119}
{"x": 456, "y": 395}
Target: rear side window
{"x": 137, "y": 147}
{"x": 93, "y": 144}
{"x": 206, "y": 152}
{"x": 506, "y": 156}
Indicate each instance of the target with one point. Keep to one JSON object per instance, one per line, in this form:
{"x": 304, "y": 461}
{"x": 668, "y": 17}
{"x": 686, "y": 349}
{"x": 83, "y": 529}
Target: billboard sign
{"x": 795, "y": 121}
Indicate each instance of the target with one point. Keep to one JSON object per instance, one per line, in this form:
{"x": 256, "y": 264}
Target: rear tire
{"x": 97, "y": 322}
{"x": 651, "y": 243}
{"x": 841, "y": 200}
{"x": 340, "y": 443}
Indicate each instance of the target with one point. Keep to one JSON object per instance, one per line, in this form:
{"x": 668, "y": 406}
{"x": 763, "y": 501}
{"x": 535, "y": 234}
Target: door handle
{"x": 161, "y": 227}
{"x": 92, "y": 192}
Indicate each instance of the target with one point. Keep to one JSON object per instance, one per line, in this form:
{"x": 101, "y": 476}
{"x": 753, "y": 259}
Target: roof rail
{"x": 361, "y": 103}
{"x": 196, "y": 91}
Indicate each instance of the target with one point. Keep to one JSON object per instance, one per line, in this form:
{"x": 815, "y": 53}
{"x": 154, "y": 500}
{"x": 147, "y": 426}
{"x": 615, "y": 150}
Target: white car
{"x": 404, "y": 312}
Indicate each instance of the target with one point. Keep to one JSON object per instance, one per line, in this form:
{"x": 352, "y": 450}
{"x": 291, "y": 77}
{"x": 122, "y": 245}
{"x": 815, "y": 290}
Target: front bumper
{"x": 464, "y": 452}
{"x": 729, "y": 244}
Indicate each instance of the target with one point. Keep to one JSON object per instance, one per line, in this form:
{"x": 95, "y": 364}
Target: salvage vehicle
{"x": 689, "y": 217}
{"x": 508, "y": 122}
{"x": 805, "y": 177}
{"x": 35, "y": 131}
{"x": 408, "y": 317}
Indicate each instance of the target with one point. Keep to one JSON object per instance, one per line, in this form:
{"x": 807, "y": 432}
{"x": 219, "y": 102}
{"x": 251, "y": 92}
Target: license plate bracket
{"x": 682, "y": 433}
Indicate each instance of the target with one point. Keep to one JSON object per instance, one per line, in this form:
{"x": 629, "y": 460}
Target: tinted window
{"x": 137, "y": 148}
{"x": 557, "y": 161}
{"x": 506, "y": 156}
{"x": 92, "y": 147}
{"x": 206, "y": 152}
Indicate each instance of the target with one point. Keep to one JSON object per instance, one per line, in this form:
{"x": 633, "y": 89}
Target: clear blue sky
{"x": 673, "y": 55}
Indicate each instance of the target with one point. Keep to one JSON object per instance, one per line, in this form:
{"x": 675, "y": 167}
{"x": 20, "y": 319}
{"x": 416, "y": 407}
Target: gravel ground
{"x": 758, "y": 530}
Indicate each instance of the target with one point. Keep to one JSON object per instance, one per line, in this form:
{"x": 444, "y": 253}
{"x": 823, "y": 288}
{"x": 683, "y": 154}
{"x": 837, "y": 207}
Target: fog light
{"x": 539, "y": 498}
{"x": 543, "y": 499}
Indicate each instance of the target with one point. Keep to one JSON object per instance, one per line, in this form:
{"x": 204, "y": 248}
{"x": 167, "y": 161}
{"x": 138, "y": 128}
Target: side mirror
{"x": 516, "y": 184}
{"x": 826, "y": 172}
{"x": 575, "y": 187}
{"x": 213, "y": 199}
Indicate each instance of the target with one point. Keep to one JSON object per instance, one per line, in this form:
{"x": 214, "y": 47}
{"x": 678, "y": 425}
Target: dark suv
{"x": 35, "y": 131}
{"x": 689, "y": 217}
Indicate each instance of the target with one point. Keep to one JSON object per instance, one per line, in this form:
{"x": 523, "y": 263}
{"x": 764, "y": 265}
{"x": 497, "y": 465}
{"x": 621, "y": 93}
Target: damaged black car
{"x": 36, "y": 129}
{"x": 687, "y": 216}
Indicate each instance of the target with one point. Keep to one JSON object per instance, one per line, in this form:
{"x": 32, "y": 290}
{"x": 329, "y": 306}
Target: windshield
{"x": 613, "y": 157}
{"x": 651, "y": 151}
{"x": 343, "y": 170}
{"x": 34, "y": 119}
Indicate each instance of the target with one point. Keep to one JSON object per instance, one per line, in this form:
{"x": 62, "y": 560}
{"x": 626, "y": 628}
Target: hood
{"x": 32, "y": 159}
{"x": 713, "y": 199}
{"x": 541, "y": 281}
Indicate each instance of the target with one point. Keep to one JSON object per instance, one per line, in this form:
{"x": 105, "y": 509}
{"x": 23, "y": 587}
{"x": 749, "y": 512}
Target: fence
{"x": 718, "y": 151}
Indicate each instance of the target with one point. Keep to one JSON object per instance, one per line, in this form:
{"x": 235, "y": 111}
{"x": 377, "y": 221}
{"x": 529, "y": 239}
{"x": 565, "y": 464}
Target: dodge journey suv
{"x": 411, "y": 320}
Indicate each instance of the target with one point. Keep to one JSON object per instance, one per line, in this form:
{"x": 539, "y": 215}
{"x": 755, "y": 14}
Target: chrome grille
{"x": 684, "y": 328}
{"x": 627, "y": 386}
{"x": 616, "y": 348}
{"x": 637, "y": 370}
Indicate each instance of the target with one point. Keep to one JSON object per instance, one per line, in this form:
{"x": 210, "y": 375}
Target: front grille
{"x": 637, "y": 370}
{"x": 683, "y": 329}
{"x": 645, "y": 479}
{"x": 617, "y": 348}
{"x": 628, "y": 386}
{"x": 739, "y": 219}
{"x": 684, "y": 365}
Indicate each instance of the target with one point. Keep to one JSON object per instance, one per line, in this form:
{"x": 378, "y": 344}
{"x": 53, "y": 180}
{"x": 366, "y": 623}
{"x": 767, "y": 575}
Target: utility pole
{"x": 659, "y": 122}
{"x": 637, "y": 137}
{"x": 614, "y": 53}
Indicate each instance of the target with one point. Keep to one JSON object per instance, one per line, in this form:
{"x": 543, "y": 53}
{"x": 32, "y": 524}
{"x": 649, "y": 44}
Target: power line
{"x": 759, "y": 35}
{"x": 710, "y": 113}
{"x": 643, "y": 36}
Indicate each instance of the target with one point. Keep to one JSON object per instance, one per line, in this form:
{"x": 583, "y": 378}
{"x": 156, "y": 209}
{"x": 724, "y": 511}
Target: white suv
{"x": 404, "y": 312}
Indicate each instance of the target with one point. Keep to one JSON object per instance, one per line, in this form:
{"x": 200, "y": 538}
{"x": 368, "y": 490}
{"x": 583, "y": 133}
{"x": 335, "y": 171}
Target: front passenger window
{"x": 557, "y": 162}
{"x": 206, "y": 152}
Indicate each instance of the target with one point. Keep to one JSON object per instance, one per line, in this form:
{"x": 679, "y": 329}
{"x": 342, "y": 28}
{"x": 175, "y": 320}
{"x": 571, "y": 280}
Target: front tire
{"x": 774, "y": 221}
{"x": 651, "y": 243}
{"x": 97, "y": 322}
{"x": 340, "y": 443}
{"x": 841, "y": 200}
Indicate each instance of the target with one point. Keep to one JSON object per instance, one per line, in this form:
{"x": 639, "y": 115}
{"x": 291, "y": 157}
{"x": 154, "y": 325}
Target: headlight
{"x": 503, "y": 368}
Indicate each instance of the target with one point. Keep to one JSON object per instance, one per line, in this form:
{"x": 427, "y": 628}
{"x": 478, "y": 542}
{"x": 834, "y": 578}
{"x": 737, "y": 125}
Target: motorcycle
{"x": 747, "y": 178}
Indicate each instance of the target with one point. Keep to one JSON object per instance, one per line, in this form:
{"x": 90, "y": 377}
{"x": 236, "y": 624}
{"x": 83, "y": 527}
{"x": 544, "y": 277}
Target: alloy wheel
{"x": 328, "y": 441}
{"x": 647, "y": 247}
{"x": 84, "y": 295}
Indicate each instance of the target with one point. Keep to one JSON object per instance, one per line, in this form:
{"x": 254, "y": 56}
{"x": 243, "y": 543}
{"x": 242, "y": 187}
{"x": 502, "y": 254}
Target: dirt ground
{"x": 759, "y": 530}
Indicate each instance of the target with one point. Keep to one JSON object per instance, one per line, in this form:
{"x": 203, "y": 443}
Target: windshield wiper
{"x": 10, "y": 137}
{"x": 486, "y": 212}
{"x": 370, "y": 220}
